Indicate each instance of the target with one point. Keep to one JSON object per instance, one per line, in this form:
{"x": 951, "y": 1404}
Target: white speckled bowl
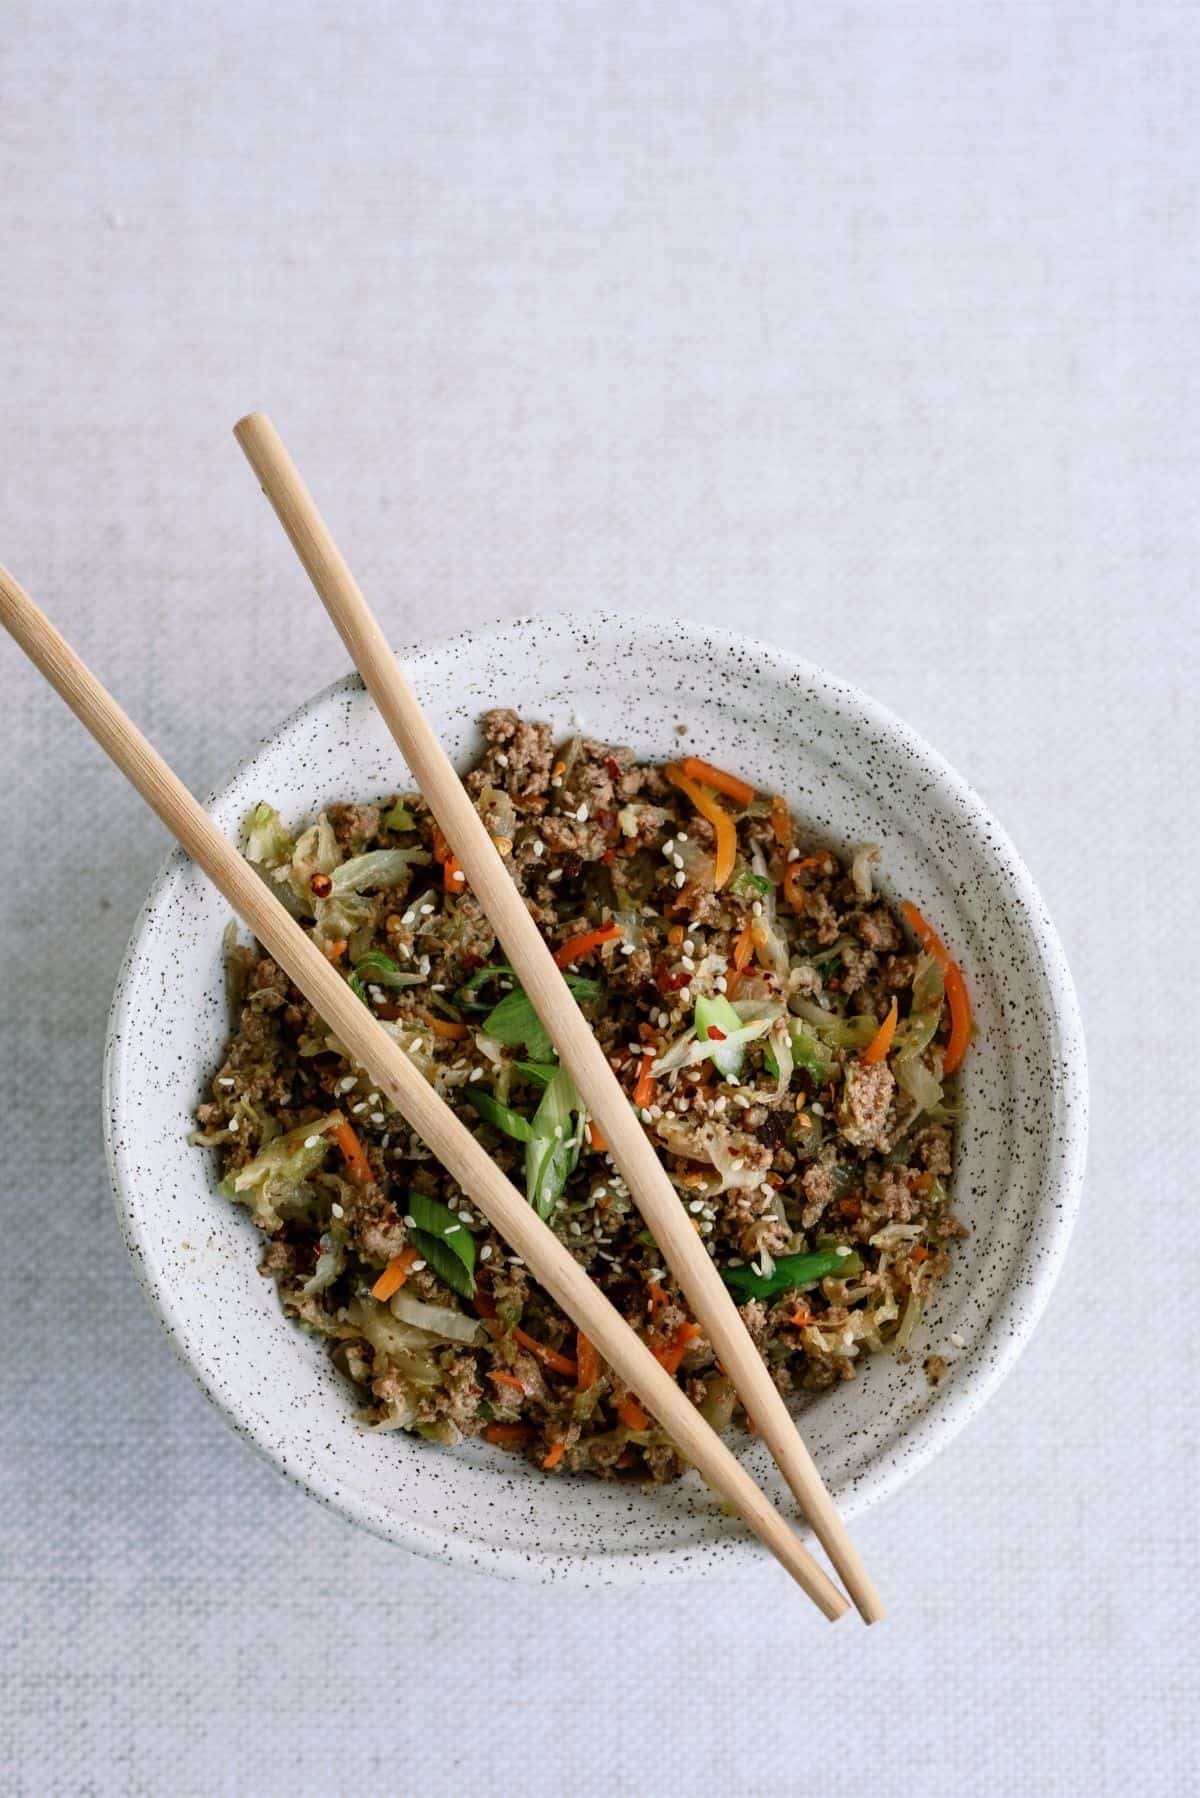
{"x": 857, "y": 773}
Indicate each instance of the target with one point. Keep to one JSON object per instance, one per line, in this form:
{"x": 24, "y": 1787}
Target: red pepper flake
{"x": 604, "y": 818}
{"x": 610, "y": 855}
{"x": 321, "y": 885}
{"x": 666, "y": 982}
{"x": 715, "y": 1035}
{"x": 611, "y": 768}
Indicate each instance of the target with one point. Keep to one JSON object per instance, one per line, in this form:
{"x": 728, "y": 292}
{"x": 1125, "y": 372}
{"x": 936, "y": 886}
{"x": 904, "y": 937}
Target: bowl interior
{"x": 856, "y": 774}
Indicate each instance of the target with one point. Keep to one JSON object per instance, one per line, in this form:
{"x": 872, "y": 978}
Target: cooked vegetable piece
{"x": 791, "y": 1271}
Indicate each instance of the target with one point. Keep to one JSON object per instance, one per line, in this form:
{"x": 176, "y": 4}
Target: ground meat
{"x": 866, "y": 1098}
{"x": 822, "y": 1138}
{"x": 932, "y": 1148}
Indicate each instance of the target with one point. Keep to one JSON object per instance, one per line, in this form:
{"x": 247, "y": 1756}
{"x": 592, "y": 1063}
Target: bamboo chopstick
{"x": 392, "y": 1072}
{"x": 585, "y": 1061}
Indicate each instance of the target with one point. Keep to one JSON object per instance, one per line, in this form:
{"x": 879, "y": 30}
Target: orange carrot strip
{"x": 334, "y": 951}
{"x": 743, "y": 948}
{"x": 631, "y": 1413}
{"x": 791, "y": 892}
{"x": 956, "y": 987}
{"x": 729, "y": 784}
{"x": 357, "y": 1165}
{"x": 643, "y": 1092}
{"x": 595, "y": 1140}
{"x": 718, "y": 817}
{"x": 448, "y": 1028}
{"x": 578, "y": 946}
{"x": 556, "y": 1454}
{"x": 508, "y": 1435}
{"x": 587, "y": 1360}
{"x": 919, "y": 1254}
{"x": 394, "y": 1275}
{"x": 781, "y": 821}
{"x": 453, "y": 878}
{"x": 547, "y": 1356}
{"x": 505, "y": 1379}
{"x": 881, "y": 1042}
{"x": 672, "y": 1353}
{"x": 658, "y": 1297}
{"x": 801, "y": 1320}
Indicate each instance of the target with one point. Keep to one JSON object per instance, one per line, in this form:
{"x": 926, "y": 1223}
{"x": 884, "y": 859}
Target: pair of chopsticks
{"x": 448, "y": 1138}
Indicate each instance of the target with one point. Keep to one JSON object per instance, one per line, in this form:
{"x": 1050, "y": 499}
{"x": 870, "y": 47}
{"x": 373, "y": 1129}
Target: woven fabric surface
{"x": 869, "y": 327}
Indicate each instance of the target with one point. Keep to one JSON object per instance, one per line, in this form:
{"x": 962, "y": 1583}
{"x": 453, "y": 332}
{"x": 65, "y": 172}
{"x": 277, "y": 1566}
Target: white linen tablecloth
{"x": 867, "y": 325}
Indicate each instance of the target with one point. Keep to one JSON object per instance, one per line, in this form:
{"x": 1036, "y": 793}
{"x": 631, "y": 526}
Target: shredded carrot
{"x": 919, "y": 1254}
{"x": 357, "y": 1165}
{"x": 595, "y": 1139}
{"x": 556, "y": 1454}
{"x": 956, "y": 987}
{"x": 718, "y": 817}
{"x": 658, "y": 1298}
{"x": 781, "y": 821}
{"x": 631, "y": 1413}
{"x": 587, "y": 1361}
{"x": 576, "y": 947}
{"x": 743, "y": 949}
{"x": 547, "y": 1356}
{"x": 453, "y": 878}
{"x": 643, "y": 1092}
{"x": 675, "y": 935}
{"x": 334, "y": 951}
{"x": 447, "y": 1027}
{"x": 671, "y": 1354}
{"x": 394, "y": 1275}
{"x": 801, "y": 1320}
{"x": 506, "y": 1379}
{"x": 791, "y": 892}
{"x": 508, "y": 1435}
{"x": 733, "y": 981}
{"x": 881, "y": 1042}
{"x": 729, "y": 784}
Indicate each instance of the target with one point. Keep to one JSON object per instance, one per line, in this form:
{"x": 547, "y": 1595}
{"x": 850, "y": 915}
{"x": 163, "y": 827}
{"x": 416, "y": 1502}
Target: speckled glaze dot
{"x": 854, "y": 772}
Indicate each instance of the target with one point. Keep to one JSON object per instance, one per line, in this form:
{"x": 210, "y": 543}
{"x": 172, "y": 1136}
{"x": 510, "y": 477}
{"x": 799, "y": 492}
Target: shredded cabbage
{"x": 268, "y": 844}
{"x": 272, "y": 1177}
{"x": 378, "y": 868}
{"x": 438, "y": 1320}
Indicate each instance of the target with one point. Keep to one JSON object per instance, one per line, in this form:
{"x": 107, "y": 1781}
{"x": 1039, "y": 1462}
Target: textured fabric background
{"x": 868, "y": 325}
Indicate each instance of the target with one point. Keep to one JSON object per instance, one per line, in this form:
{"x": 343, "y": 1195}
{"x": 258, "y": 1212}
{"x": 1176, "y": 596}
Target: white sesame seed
{"x": 516, "y": 1260}
{"x": 818, "y": 1108}
{"x": 385, "y": 1139}
{"x": 575, "y": 1229}
{"x": 408, "y": 917}
{"x": 668, "y": 847}
{"x": 841, "y": 1249}
{"x": 338, "y": 1210}
{"x": 689, "y": 946}
{"x": 427, "y": 911}
{"x": 235, "y": 1123}
{"x": 344, "y": 1085}
{"x": 696, "y": 1207}
{"x": 361, "y": 1106}
{"x": 681, "y": 879}
{"x": 410, "y": 1222}
{"x": 685, "y": 995}
{"x": 581, "y": 814}
{"x": 226, "y": 1081}
{"x": 554, "y": 874}
{"x": 475, "y": 1074}
{"x": 627, "y": 948}
{"x": 720, "y": 983}
{"x": 793, "y": 855}
{"x": 960, "y": 1342}
{"x": 310, "y": 1142}
{"x": 682, "y": 835}
{"x": 465, "y": 1216}
{"x": 451, "y": 1229}
{"x": 685, "y": 961}
{"x": 501, "y": 759}
{"x": 485, "y": 1253}
{"x": 377, "y": 1117}
{"x": 756, "y": 909}
{"x": 417, "y": 1266}
{"x": 677, "y": 860}
{"x": 539, "y": 848}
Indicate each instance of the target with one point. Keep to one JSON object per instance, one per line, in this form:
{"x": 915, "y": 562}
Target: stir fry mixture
{"x": 787, "y": 1039}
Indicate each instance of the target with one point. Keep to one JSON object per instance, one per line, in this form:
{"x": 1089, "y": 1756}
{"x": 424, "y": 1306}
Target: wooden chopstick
{"x": 412, "y": 1096}
{"x": 468, "y": 838}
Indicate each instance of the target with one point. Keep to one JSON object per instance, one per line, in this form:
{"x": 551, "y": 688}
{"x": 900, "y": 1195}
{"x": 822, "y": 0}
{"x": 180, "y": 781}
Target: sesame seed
{"x": 485, "y": 1253}
{"x": 337, "y": 1210}
{"x": 539, "y": 848}
{"x": 756, "y": 908}
{"x": 235, "y": 1123}
{"x": 385, "y": 1139}
{"x": 501, "y": 759}
{"x": 689, "y": 946}
{"x": 226, "y": 1081}
{"x": 678, "y": 860}
{"x": 465, "y": 1216}
{"x": 627, "y": 948}
{"x": 451, "y": 1229}
{"x": 818, "y": 1108}
{"x": 345, "y": 1084}
{"x": 581, "y": 814}
{"x": 554, "y": 874}
{"x": 457, "y": 875}
{"x": 361, "y": 1106}
{"x": 793, "y": 855}
{"x": 575, "y": 1229}
{"x": 685, "y": 995}
{"x": 681, "y": 879}
{"x": 959, "y": 1342}
{"x": 417, "y": 1266}
{"x": 720, "y": 983}
{"x": 410, "y": 1222}
{"x": 696, "y": 1207}
{"x": 668, "y": 847}
{"x": 682, "y": 835}
{"x": 685, "y": 961}
{"x": 377, "y": 1117}
{"x": 427, "y": 910}
{"x": 310, "y": 1142}
{"x": 516, "y": 1260}
{"x": 475, "y": 1074}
